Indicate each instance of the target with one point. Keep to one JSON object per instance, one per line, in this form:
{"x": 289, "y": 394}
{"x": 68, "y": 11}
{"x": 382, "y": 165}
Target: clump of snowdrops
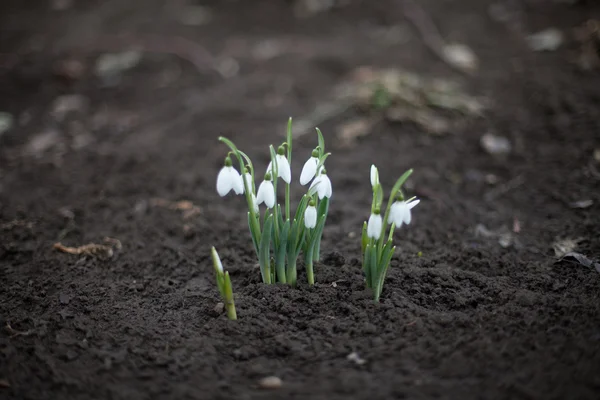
{"x": 377, "y": 246}
{"x": 279, "y": 235}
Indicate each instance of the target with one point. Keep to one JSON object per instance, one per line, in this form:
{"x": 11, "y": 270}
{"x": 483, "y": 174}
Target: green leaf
{"x": 321, "y": 142}
{"x": 301, "y": 208}
{"x": 399, "y": 184}
{"x": 279, "y": 215}
{"x": 323, "y": 207}
{"x": 265, "y": 248}
{"x": 373, "y": 266}
{"x": 385, "y": 263}
{"x": 228, "y": 297}
{"x": 322, "y": 160}
{"x": 281, "y": 252}
{"x": 255, "y": 235}
{"x": 367, "y": 264}
{"x": 364, "y": 238}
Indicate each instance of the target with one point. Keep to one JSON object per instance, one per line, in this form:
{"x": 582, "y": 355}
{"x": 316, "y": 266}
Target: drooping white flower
{"x": 266, "y": 193}
{"x": 283, "y": 168}
{"x": 374, "y": 226}
{"x": 323, "y": 185}
{"x": 229, "y": 179}
{"x": 400, "y": 212}
{"x": 374, "y": 176}
{"x": 310, "y": 217}
{"x": 309, "y": 170}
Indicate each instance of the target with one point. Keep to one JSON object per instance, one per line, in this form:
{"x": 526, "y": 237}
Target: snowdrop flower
{"x": 323, "y": 185}
{"x": 310, "y": 168}
{"x": 374, "y": 176}
{"x": 266, "y": 192}
{"x": 374, "y": 225}
{"x": 229, "y": 179}
{"x": 283, "y": 166}
{"x": 400, "y": 212}
{"x": 310, "y": 216}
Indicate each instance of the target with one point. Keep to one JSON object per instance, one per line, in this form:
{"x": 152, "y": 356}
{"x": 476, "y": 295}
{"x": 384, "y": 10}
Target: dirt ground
{"x": 104, "y": 144}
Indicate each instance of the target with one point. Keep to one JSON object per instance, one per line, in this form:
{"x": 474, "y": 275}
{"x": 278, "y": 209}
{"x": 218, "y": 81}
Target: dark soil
{"x": 476, "y": 316}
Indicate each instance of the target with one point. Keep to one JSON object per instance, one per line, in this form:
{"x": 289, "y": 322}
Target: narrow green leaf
{"x": 279, "y": 215}
{"x": 364, "y": 238}
{"x": 399, "y": 183}
{"x": 322, "y": 160}
{"x": 367, "y": 264}
{"x": 321, "y": 141}
{"x": 385, "y": 263}
{"x": 373, "y": 266}
{"x": 301, "y": 208}
{"x": 255, "y": 235}
{"x": 281, "y": 252}
{"x": 228, "y": 297}
{"x": 265, "y": 248}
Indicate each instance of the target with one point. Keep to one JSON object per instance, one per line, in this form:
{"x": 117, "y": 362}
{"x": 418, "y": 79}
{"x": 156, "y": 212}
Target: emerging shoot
{"x": 224, "y": 284}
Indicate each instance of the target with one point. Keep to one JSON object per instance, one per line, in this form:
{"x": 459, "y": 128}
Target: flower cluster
{"x": 377, "y": 251}
{"x": 280, "y": 236}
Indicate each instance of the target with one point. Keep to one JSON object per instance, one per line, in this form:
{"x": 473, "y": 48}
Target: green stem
{"x": 292, "y": 273}
{"x": 229, "y": 304}
{"x": 287, "y": 201}
{"x": 289, "y": 158}
{"x": 308, "y": 259}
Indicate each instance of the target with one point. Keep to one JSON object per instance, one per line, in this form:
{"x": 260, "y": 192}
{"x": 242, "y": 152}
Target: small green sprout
{"x": 376, "y": 243}
{"x": 224, "y": 285}
{"x": 280, "y": 235}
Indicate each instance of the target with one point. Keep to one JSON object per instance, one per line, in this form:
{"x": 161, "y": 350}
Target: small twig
{"x": 91, "y": 249}
{"x": 188, "y": 208}
{"x": 14, "y": 333}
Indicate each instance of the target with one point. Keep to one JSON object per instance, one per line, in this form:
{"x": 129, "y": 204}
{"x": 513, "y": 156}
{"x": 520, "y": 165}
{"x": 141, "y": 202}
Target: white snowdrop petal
{"x": 224, "y": 181}
{"x": 218, "y": 261}
{"x": 254, "y": 202}
{"x": 327, "y": 183}
{"x": 248, "y": 179}
{"x": 374, "y": 226}
{"x": 316, "y": 182}
{"x": 413, "y": 203}
{"x": 238, "y": 186}
{"x": 260, "y": 195}
{"x": 284, "y": 170}
{"x": 407, "y": 216}
{"x": 393, "y": 212}
{"x": 269, "y": 196}
{"x": 374, "y": 175}
{"x": 310, "y": 217}
{"x": 309, "y": 170}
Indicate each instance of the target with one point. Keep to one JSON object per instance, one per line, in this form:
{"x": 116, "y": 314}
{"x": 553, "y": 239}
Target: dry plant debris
{"x": 188, "y": 208}
{"x": 402, "y": 96}
{"x": 92, "y": 249}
